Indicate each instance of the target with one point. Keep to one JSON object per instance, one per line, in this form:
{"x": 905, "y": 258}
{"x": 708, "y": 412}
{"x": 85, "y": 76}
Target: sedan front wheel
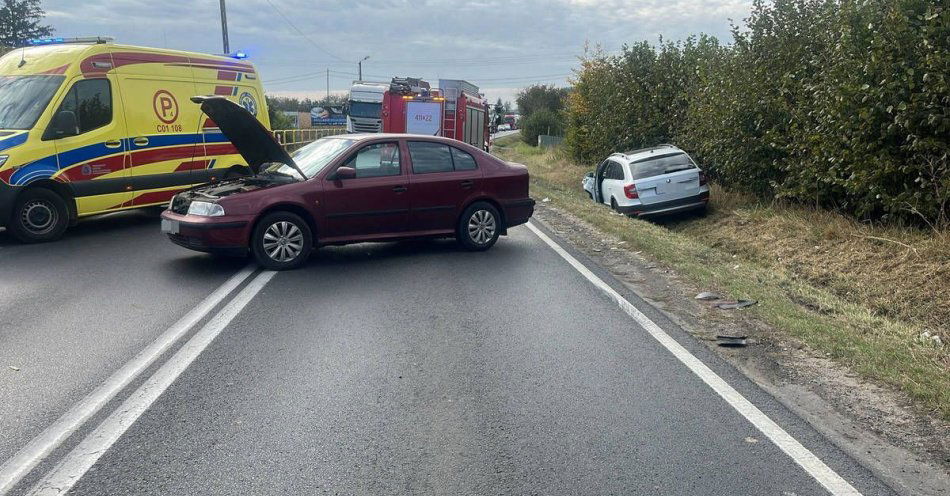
{"x": 281, "y": 241}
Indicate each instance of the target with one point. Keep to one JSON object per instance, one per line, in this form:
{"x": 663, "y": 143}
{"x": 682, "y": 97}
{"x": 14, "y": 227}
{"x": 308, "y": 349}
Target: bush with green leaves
{"x": 835, "y": 103}
{"x": 540, "y": 97}
{"x": 540, "y": 122}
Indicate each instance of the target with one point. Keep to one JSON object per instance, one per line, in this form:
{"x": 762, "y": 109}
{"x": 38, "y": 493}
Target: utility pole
{"x": 224, "y": 27}
{"x": 328, "y": 85}
{"x": 360, "y": 64}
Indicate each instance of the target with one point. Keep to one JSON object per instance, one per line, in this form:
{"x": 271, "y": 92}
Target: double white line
{"x": 81, "y": 458}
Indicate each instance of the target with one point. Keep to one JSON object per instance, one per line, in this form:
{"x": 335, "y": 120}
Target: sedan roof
{"x": 365, "y": 136}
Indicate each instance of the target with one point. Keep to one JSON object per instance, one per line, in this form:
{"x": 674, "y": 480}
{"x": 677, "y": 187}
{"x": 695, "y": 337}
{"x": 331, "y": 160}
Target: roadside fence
{"x": 293, "y": 139}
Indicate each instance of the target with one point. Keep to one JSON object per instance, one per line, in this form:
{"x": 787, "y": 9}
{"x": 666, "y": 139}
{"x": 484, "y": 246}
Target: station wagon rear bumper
{"x": 517, "y": 212}
{"x": 667, "y": 207}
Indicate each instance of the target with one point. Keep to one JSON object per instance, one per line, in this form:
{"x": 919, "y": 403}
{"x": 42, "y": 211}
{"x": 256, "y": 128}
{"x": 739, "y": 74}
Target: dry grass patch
{"x": 861, "y": 294}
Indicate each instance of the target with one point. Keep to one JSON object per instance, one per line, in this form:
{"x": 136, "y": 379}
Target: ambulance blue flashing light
{"x": 58, "y": 41}
{"x": 240, "y": 54}
{"x": 45, "y": 41}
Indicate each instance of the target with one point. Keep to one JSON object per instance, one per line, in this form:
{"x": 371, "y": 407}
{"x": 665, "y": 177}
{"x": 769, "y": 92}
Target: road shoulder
{"x": 876, "y": 426}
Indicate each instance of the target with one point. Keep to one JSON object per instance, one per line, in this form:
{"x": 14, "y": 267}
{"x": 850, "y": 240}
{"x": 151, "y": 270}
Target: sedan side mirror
{"x": 64, "y": 124}
{"x": 345, "y": 173}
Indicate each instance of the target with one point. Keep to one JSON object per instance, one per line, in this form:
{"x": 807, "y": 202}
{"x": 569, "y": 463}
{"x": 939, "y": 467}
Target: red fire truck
{"x": 454, "y": 110}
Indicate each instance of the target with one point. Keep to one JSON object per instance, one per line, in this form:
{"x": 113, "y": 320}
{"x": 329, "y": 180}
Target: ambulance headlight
{"x": 206, "y": 209}
{"x": 3, "y": 159}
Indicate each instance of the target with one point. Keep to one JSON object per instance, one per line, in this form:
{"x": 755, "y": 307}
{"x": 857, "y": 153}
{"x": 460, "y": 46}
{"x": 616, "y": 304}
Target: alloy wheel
{"x": 481, "y": 226}
{"x": 283, "y": 241}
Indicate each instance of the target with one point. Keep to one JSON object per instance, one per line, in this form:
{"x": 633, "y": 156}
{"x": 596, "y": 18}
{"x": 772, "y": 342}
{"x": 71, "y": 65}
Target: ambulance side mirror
{"x": 64, "y": 124}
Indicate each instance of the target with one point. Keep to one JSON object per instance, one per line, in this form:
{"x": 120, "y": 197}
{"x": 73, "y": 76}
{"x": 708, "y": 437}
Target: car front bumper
{"x": 668, "y": 207}
{"x": 225, "y": 235}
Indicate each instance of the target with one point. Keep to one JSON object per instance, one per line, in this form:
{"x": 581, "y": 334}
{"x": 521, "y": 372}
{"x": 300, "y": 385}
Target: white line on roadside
{"x": 833, "y": 482}
{"x": 37, "y": 449}
{"x": 62, "y": 478}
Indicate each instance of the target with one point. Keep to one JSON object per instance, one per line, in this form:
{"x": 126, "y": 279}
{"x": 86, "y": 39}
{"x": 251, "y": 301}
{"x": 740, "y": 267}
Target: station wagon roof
{"x": 646, "y": 153}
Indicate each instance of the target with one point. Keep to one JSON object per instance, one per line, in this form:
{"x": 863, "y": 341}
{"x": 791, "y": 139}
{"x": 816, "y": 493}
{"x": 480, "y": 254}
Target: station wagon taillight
{"x": 631, "y": 191}
{"x": 702, "y": 178}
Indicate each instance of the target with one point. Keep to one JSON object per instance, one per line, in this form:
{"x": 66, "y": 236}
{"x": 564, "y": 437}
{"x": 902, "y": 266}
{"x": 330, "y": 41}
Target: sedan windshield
{"x": 662, "y": 164}
{"x": 314, "y": 157}
{"x": 368, "y": 110}
{"x": 23, "y": 98}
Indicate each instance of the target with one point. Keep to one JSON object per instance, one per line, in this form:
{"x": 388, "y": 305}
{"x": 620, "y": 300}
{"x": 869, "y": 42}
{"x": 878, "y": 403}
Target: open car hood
{"x": 252, "y": 140}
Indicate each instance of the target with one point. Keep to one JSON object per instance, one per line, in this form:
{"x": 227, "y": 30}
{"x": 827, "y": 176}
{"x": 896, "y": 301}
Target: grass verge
{"x": 863, "y": 295}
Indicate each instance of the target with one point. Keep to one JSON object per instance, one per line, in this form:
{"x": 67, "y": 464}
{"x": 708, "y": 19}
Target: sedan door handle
{"x": 467, "y": 184}
{"x": 400, "y": 189}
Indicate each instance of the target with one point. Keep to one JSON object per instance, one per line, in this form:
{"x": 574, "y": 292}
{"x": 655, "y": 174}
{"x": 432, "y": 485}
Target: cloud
{"x": 500, "y": 45}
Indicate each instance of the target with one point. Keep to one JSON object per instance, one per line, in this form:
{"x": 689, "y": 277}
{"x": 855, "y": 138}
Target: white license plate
{"x": 170, "y": 226}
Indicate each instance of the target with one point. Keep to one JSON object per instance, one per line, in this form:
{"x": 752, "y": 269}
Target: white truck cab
{"x": 364, "y": 107}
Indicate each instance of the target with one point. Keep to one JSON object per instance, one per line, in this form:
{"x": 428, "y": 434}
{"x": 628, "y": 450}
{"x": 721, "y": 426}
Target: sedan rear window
{"x": 463, "y": 161}
{"x": 430, "y": 157}
{"x": 661, "y": 164}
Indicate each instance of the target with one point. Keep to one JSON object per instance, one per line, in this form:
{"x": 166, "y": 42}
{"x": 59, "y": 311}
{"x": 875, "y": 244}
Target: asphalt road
{"x": 396, "y": 368}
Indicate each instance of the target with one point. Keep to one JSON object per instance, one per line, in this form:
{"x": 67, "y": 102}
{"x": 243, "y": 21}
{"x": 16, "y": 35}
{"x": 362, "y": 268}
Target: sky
{"x": 499, "y": 45}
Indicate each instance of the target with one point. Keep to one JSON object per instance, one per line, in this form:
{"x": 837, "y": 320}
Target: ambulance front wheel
{"x": 39, "y": 215}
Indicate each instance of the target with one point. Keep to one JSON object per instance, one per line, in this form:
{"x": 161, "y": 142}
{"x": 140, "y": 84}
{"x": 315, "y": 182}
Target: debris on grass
{"x": 733, "y": 305}
{"x": 15, "y": 369}
{"x": 737, "y": 341}
{"x": 930, "y": 339}
{"x": 708, "y": 296}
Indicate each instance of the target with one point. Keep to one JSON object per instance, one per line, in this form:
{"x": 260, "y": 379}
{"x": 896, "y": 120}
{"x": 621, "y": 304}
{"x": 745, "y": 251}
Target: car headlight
{"x": 206, "y": 209}
{"x": 3, "y": 159}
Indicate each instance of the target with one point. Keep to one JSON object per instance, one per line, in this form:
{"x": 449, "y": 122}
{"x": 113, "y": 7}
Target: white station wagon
{"x": 649, "y": 181}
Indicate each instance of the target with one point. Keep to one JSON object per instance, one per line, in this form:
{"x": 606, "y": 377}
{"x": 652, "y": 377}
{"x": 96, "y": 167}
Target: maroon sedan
{"x": 345, "y": 189}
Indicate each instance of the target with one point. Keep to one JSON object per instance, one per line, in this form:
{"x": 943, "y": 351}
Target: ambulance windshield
{"x": 23, "y": 99}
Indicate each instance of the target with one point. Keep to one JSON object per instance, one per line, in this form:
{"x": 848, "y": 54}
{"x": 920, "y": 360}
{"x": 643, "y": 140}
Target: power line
{"x": 301, "y": 32}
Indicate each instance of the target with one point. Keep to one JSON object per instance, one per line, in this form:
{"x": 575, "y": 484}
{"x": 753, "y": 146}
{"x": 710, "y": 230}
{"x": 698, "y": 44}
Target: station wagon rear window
{"x": 661, "y": 164}
{"x": 23, "y": 99}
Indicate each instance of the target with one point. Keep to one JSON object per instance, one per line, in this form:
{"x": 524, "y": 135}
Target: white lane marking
{"x": 827, "y": 477}
{"x": 39, "y": 447}
{"x": 62, "y": 478}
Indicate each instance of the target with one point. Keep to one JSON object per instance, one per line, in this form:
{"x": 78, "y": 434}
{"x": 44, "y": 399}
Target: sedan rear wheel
{"x": 282, "y": 241}
{"x": 479, "y": 227}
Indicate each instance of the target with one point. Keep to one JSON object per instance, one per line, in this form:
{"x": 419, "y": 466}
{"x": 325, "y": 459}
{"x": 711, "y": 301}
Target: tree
{"x": 499, "y": 116}
{"x": 540, "y": 96}
{"x": 543, "y": 121}
{"x": 20, "y": 21}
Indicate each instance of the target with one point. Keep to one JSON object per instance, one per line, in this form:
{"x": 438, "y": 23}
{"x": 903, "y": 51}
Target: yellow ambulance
{"x": 88, "y": 127}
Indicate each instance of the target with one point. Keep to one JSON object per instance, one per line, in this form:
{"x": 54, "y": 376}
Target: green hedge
{"x": 542, "y": 121}
{"x": 840, "y": 104}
